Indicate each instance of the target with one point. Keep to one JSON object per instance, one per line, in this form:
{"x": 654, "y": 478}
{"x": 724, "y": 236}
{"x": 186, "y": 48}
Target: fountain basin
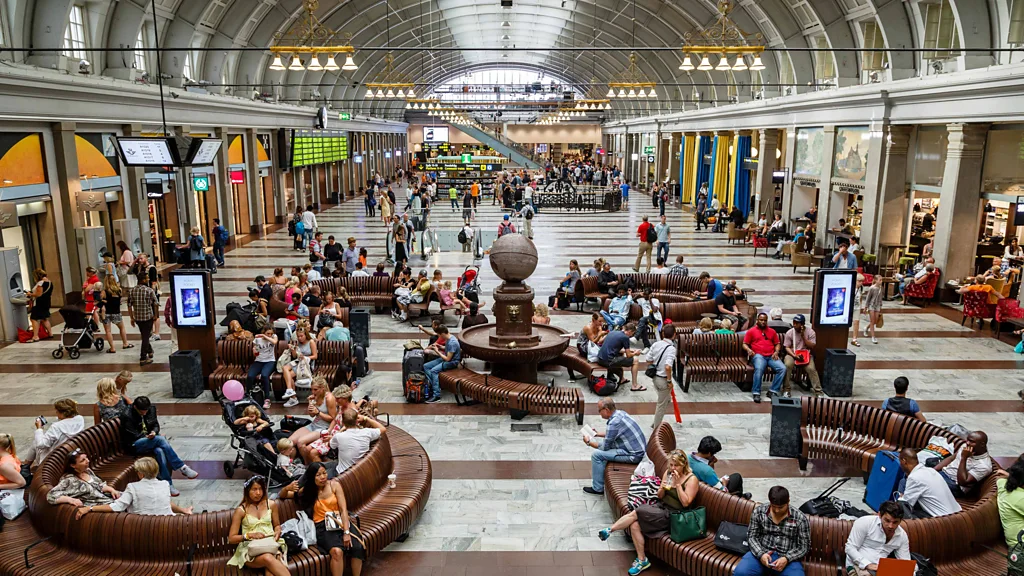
{"x": 511, "y": 360}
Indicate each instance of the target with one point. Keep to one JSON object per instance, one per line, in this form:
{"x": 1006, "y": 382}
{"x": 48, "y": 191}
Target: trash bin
{"x": 837, "y": 376}
{"x": 187, "y": 374}
{"x": 359, "y": 326}
{"x": 785, "y": 440}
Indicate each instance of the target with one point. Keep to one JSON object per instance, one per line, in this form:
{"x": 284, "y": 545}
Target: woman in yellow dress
{"x": 255, "y": 519}
{"x": 386, "y": 207}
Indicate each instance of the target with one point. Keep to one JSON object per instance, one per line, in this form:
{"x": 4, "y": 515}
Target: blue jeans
{"x": 750, "y": 566}
{"x": 257, "y": 369}
{"x": 662, "y": 246}
{"x": 613, "y": 321}
{"x": 780, "y": 373}
{"x": 600, "y": 458}
{"x": 306, "y": 237}
{"x": 218, "y": 252}
{"x": 165, "y": 456}
{"x": 432, "y": 369}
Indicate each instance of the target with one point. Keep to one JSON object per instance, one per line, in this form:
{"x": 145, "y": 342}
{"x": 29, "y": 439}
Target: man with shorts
{"x": 615, "y": 353}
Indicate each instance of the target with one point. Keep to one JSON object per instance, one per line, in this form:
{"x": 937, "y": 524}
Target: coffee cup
{"x": 391, "y": 480}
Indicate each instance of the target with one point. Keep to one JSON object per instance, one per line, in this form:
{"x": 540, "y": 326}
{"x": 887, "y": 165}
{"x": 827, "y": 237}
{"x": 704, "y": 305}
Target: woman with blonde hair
{"x": 41, "y": 292}
{"x": 148, "y": 496}
{"x": 111, "y": 402}
{"x": 705, "y": 326}
{"x": 678, "y": 490}
{"x": 541, "y": 315}
{"x": 10, "y": 466}
{"x": 111, "y": 298}
{"x": 196, "y": 247}
{"x": 323, "y": 409}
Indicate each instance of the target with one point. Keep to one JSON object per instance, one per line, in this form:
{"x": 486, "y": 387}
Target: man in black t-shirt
{"x": 312, "y": 298}
{"x": 726, "y": 303}
{"x": 265, "y": 291}
{"x": 332, "y": 250}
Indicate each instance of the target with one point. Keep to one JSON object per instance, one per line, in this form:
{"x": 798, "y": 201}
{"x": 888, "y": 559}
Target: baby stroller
{"x": 249, "y": 452}
{"x": 468, "y": 283}
{"x": 79, "y": 329}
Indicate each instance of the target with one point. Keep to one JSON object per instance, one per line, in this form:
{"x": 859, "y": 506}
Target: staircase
{"x": 514, "y": 151}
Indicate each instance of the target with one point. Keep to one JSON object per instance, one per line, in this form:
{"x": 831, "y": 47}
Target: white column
{"x": 764, "y": 190}
{"x": 830, "y": 206}
{"x": 960, "y": 202}
{"x": 885, "y": 212}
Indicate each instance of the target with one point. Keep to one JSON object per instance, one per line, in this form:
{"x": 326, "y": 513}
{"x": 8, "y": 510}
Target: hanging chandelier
{"x": 390, "y": 83}
{"x": 633, "y": 80}
{"x": 722, "y": 39}
{"x": 299, "y": 41}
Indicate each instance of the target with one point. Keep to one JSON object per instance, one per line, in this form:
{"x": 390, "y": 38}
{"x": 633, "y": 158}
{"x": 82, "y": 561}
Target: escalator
{"x": 515, "y": 153}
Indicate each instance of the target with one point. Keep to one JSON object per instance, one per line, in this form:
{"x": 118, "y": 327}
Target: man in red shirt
{"x": 645, "y": 246}
{"x": 763, "y": 346}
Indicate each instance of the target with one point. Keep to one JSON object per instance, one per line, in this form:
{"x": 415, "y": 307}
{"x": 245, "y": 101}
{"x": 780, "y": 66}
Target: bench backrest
{"x": 366, "y": 285}
{"x": 239, "y": 352}
{"x": 894, "y": 428}
{"x": 711, "y": 346}
{"x": 687, "y": 311}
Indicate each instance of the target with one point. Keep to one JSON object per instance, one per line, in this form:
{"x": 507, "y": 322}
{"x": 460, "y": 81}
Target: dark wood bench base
{"x": 517, "y": 397}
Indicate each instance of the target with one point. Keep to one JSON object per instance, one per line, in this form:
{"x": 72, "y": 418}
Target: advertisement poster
{"x": 190, "y": 300}
{"x": 836, "y": 293}
{"x": 851, "y": 155}
{"x": 810, "y": 147}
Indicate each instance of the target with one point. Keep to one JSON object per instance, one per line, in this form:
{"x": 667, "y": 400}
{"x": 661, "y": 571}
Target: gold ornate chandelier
{"x": 299, "y": 40}
{"x": 633, "y": 80}
{"x": 723, "y": 38}
{"x": 389, "y": 83}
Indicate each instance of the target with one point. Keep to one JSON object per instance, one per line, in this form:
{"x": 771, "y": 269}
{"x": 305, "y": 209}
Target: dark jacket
{"x": 135, "y": 426}
{"x": 603, "y": 278}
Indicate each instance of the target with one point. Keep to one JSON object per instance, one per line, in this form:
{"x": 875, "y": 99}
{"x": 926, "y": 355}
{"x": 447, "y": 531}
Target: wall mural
{"x": 91, "y": 161}
{"x": 810, "y": 145}
{"x": 21, "y": 159}
{"x": 851, "y": 158}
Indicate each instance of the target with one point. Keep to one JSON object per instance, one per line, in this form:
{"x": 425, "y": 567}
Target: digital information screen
{"x": 146, "y": 152}
{"x": 190, "y": 300}
{"x": 206, "y": 152}
{"x": 433, "y": 134}
{"x": 835, "y": 291}
{"x": 311, "y": 147}
{"x": 459, "y": 167}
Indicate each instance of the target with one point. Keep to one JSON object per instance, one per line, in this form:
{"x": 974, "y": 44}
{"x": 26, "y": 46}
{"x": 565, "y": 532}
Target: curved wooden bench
{"x": 949, "y": 541}
{"x": 234, "y": 357}
{"x": 511, "y": 395}
{"x": 375, "y": 291}
{"x": 686, "y": 315}
{"x": 573, "y": 361}
{"x": 666, "y": 287}
{"x": 132, "y": 544}
{"x": 714, "y": 358}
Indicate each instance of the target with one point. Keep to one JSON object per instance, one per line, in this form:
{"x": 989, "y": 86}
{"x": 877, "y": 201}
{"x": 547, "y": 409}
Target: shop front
{"x": 1002, "y": 191}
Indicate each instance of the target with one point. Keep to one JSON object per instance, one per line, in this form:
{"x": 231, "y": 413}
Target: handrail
{"x": 29, "y": 566}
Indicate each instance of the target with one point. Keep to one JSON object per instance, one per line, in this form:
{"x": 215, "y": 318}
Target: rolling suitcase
{"x": 884, "y": 479}
{"x": 412, "y": 362}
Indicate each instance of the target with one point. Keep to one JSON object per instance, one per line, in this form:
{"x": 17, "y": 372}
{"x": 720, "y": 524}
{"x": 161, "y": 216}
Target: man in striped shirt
{"x": 623, "y": 442}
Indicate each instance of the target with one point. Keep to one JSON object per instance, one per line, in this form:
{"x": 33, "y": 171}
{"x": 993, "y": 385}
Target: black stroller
{"x": 250, "y": 454}
{"x": 79, "y": 330}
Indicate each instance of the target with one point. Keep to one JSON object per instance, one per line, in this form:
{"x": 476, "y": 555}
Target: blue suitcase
{"x": 885, "y": 478}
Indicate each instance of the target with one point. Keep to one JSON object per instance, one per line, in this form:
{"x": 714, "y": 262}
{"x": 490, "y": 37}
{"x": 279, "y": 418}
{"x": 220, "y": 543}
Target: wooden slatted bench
{"x": 511, "y": 395}
{"x": 371, "y": 291}
{"x": 573, "y": 361}
{"x": 951, "y": 542}
{"x": 235, "y": 356}
{"x": 714, "y": 358}
{"x": 131, "y": 544}
{"x": 666, "y": 287}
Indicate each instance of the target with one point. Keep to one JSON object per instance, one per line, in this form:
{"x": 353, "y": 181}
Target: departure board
{"x": 311, "y": 147}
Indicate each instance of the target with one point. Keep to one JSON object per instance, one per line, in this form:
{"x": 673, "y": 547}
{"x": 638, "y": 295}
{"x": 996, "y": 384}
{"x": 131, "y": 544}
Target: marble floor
{"x": 498, "y": 490}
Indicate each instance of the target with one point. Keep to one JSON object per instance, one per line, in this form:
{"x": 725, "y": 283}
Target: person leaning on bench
{"x": 623, "y": 442}
{"x": 779, "y": 538}
{"x": 875, "y": 537}
{"x": 965, "y": 470}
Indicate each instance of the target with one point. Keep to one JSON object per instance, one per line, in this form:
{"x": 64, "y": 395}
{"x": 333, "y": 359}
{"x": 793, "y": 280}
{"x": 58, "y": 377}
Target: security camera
{"x": 84, "y": 67}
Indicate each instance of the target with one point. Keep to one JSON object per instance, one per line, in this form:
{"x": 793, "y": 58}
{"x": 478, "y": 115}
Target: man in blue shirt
{"x": 625, "y": 193}
{"x": 618, "y": 309}
{"x": 623, "y": 442}
{"x": 702, "y": 464}
{"x": 615, "y": 353}
{"x": 715, "y": 287}
{"x": 220, "y": 239}
{"x": 449, "y": 355}
{"x": 900, "y": 403}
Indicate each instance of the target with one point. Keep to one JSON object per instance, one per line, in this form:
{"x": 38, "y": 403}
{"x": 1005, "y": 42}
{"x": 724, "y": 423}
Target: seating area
{"x": 953, "y": 543}
{"x": 665, "y": 287}
{"x": 517, "y": 397}
{"x": 235, "y": 356}
{"x": 714, "y": 358}
{"x": 133, "y": 544}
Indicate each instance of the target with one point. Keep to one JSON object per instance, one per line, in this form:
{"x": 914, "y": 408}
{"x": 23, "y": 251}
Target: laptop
{"x": 893, "y": 567}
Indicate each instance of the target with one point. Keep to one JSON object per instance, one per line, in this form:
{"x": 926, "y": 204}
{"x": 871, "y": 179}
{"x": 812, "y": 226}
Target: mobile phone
{"x": 42, "y": 420}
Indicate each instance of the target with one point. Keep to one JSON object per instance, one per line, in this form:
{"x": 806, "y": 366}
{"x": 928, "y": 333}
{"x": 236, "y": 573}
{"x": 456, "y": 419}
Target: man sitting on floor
{"x": 779, "y": 538}
{"x": 615, "y": 353}
{"x": 926, "y": 494}
{"x": 618, "y": 308}
{"x": 964, "y": 471}
{"x": 702, "y": 464}
{"x": 900, "y": 403}
{"x": 623, "y": 442}
{"x": 449, "y": 355}
{"x": 875, "y": 537}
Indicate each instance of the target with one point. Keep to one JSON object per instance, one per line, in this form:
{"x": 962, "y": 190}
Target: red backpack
{"x": 416, "y": 389}
{"x": 603, "y": 385}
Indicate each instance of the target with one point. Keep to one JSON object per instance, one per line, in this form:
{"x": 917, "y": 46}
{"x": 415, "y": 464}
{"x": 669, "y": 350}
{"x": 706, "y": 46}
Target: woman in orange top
{"x": 320, "y": 497}
{"x": 10, "y": 466}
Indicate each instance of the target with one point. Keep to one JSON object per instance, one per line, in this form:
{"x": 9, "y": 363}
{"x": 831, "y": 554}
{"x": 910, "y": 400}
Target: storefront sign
{"x": 344, "y": 116}
{"x": 8, "y": 215}
{"x": 846, "y": 189}
{"x": 201, "y": 183}
{"x": 237, "y": 177}
{"x": 600, "y": 151}
{"x": 91, "y": 201}
{"x": 358, "y": 159}
{"x": 648, "y": 150}
{"x": 807, "y": 183}
{"x": 387, "y": 155}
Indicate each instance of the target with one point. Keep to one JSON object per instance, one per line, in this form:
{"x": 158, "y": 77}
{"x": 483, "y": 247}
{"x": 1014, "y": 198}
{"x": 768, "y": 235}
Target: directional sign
{"x": 344, "y": 115}
{"x": 466, "y": 158}
{"x": 648, "y": 150}
{"x": 201, "y": 183}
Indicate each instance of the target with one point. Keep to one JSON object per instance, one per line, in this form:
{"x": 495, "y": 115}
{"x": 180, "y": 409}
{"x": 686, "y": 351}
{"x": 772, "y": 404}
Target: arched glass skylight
{"x": 502, "y": 84}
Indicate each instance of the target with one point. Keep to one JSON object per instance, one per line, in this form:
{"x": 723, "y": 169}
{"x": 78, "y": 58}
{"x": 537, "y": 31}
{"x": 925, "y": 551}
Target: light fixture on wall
{"x": 301, "y": 39}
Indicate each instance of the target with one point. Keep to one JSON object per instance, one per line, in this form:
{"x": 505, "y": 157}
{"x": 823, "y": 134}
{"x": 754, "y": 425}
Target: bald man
{"x": 926, "y": 494}
{"x": 965, "y": 470}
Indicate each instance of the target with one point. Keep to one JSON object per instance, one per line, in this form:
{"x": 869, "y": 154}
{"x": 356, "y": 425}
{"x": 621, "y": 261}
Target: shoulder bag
{"x": 262, "y": 546}
{"x": 689, "y": 523}
{"x": 732, "y": 537}
{"x": 652, "y": 369}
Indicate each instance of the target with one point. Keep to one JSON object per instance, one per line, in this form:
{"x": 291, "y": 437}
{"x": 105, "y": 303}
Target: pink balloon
{"x": 233, "y": 390}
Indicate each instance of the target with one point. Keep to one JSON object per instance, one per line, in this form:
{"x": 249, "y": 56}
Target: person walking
{"x": 664, "y": 232}
{"x": 310, "y": 224}
{"x": 143, "y": 310}
{"x": 220, "y": 240}
{"x": 526, "y": 213}
{"x": 647, "y": 235}
{"x": 453, "y": 197}
{"x": 702, "y": 206}
{"x": 663, "y": 352}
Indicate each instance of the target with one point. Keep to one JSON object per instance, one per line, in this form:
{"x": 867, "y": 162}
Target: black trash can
{"x": 187, "y": 374}
{"x": 785, "y": 440}
{"x": 359, "y": 326}
{"x": 837, "y": 376}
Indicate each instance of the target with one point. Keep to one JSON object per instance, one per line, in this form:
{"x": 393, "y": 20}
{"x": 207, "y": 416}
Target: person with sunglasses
{"x": 256, "y": 519}
{"x": 79, "y": 486}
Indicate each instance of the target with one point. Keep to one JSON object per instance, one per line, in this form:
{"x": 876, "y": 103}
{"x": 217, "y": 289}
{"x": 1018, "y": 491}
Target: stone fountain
{"x": 513, "y": 344}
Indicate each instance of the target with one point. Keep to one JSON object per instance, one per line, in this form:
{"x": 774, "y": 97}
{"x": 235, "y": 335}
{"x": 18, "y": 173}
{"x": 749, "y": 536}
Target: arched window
{"x": 74, "y": 34}
{"x": 503, "y": 84}
{"x": 140, "y": 52}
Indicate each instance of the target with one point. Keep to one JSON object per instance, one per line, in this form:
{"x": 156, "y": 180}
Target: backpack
{"x": 1015, "y": 557}
{"x": 300, "y": 228}
{"x": 194, "y": 243}
{"x": 603, "y": 385}
{"x": 529, "y": 214}
{"x": 506, "y": 228}
{"x": 416, "y": 388}
{"x": 462, "y": 236}
{"x": 652, "y": 234}
{"x": 223, "y": 235}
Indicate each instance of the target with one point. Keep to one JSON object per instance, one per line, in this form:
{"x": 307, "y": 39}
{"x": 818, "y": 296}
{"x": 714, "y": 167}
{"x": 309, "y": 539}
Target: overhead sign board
{"x": 147, "y": 152}
{"x": 204, "y": 151}
{"x": 459, "y": 166}
{"x": 311, "y": 147}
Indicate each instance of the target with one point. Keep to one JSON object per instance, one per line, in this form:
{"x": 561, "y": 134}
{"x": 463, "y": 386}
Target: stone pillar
{"x": 255, "y": 186}
{"x": 133, "y": 188}
{"x": 674, "y": 152}
{"x": 960, "y": 202}
{"x": 787, "y": 187}
{"x": 830, "y": 206}
{"x": 886, "y": 212}
{"x": 224, "y": 193}
{"x": 69, "y": 186}
{"x": 764, "y": 190}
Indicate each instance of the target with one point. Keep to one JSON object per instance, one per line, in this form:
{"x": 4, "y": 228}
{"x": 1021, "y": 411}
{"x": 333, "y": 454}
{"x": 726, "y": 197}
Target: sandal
{"x": 854, "y": 342}
{"x": 640, "y": 389}
{"x": 34, "y": 340}
{"x": 111, "y": 351}
{"x": 128, "y": 346}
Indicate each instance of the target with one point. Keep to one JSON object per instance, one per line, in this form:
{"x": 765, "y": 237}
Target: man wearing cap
{"x": 763, "y": 346}
{"x": 800, "y": 341}
{"x": 350, "y": 256}
{"x": 506, "y": 227}
{"x": 726, "y": 303}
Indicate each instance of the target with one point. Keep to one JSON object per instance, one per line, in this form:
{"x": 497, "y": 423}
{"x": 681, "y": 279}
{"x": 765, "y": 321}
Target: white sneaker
{"x": 188, "y": 472}
{"x": 293, "y": 401}
{"x": 288, "y": 393}
{"x": 155, "y": 338}
{"x": 865, "y": 332}
{"x": 645, "y": 351}
{"x": 874, "y": 340}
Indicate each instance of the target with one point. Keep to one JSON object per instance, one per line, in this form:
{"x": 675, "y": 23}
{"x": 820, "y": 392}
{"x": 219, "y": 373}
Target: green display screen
{"x": 311, "y": 147}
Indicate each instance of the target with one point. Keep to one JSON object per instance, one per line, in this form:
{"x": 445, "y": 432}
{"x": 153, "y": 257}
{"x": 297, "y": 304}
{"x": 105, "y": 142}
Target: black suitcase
{"x": 211, "y": 264}
{"x": 412, "y": 362}
{"x": 823, "y": 504}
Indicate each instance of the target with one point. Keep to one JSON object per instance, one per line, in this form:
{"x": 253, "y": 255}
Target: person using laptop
{"x": 875, "y": 537}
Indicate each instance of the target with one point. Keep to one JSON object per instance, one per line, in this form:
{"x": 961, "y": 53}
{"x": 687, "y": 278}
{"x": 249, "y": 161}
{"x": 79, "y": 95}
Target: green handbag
{"x": 688, "y": 524}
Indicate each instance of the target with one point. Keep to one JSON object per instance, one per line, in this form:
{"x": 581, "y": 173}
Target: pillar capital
{"x": 897, "y": 140}
{"x": 743, "y": 132}
{"x": 728, "y": 133}
{"x": 967, "y": 140}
